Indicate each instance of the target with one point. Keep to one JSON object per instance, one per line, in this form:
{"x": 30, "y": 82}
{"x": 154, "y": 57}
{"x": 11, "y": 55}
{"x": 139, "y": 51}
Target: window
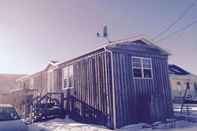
{"x": 68, "y": 77}
{"x": 142, "y": 67}
{"x": 50, "y": 82}
{"x": 178, "y": 83}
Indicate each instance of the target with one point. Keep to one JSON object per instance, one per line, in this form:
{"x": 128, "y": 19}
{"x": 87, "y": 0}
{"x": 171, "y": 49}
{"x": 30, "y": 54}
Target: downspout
{"x": 113, "y": 88}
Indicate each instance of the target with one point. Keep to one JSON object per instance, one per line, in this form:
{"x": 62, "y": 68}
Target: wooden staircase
{"x": 53, "y": 105}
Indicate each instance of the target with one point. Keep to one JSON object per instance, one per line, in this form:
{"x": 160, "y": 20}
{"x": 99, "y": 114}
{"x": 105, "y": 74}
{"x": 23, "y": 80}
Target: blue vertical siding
{"x": 141, "y": 100}
{"x": 93, "y": 90}
{"x": 136, "y": 100}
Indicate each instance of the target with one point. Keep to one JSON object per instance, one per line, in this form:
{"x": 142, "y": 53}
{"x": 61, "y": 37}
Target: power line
{"x": 183, "y": 14}
{"x": 178, "y": 31}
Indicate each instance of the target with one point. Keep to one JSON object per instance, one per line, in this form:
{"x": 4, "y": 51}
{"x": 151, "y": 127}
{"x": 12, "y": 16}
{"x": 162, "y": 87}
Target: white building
{"x": 179, "y": 79}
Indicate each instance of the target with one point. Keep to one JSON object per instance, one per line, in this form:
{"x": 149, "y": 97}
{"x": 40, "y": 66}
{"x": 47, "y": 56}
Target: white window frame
{"x": 142, "y": 67}
{"x": 68, "y": 75}
{"x": 31, "y": 83}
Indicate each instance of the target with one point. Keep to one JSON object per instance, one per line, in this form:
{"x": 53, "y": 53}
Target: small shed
{"x": 121, "y": 83}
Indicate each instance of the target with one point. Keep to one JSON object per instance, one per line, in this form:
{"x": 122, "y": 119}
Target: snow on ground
{"x": 65, "y": 125}
{"x": 70, "y": 125}
{"x": 189, "y": 109}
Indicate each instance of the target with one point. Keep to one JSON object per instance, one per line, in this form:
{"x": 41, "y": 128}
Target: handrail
{"x": 38, "y": 99}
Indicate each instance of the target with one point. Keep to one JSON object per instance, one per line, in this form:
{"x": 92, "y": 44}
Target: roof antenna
{"x": 104, "y": 34}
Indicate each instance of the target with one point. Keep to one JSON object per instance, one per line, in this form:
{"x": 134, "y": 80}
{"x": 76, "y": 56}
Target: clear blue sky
{"x": 35, "y": 31}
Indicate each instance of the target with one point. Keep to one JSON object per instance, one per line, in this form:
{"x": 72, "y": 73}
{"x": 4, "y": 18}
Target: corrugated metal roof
{"x": 138, "y": 40}
{"x": 124, "y": 43}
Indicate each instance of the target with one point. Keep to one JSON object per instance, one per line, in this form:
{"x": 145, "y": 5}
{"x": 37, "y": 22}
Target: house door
{"x": 143, "y": 109}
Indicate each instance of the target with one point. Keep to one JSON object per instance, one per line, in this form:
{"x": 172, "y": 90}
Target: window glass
{"x": 65, "y": 83}
{"x": 178, "y": 83}
{"x": 146, "y": 63}
{"x": 70, "y": 81}
{"x": 68, "y": 76}
{"x": 137, "y": 65}
{"x": 136, "y": 62}
{"x": 71, "y": 70}
{"x": 137, "y": 73}
{"x": 147, "y": 73}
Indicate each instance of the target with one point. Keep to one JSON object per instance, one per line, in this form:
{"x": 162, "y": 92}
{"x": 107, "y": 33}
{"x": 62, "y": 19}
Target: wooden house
{"x": 121, "y": 83}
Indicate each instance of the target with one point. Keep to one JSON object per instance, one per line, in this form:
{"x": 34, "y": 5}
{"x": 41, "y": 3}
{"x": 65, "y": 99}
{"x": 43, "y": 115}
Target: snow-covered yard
{"x": 70, "y": 125}
{"x": 65, "y": 125}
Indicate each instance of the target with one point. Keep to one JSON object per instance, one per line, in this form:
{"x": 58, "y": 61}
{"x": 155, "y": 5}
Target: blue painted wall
{"x": 141, "y": 100}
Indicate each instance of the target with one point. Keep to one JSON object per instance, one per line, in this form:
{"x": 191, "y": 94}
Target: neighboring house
{"x": 179, "y": 79}
{"x": 42, "y": 81}
{"x": 35, "y": 85}
{"x": 7, "y": 83}
{"x": 118, "y": 84}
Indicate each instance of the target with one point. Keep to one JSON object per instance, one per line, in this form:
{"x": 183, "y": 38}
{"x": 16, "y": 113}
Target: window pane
{"x": 71, "y": 70}
{"x": 146, "y": 66}
{"x": 68, "y": 76}
{"x": 137, "y": 65}
{"x": 70, "y": 82}
{"x": 146, "y": 63}
{"x": 136, "y": 62}
{"x": 147, "y": 73}
{"x": 65, "y": 83}
{"x": 178, "y": 83}
{"x": 65, "y": 72}
{"x": 137, "y": 72}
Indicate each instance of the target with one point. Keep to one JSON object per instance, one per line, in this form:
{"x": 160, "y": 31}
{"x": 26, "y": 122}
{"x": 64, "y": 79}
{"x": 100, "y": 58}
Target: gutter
{"x": 113, "y": 88}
